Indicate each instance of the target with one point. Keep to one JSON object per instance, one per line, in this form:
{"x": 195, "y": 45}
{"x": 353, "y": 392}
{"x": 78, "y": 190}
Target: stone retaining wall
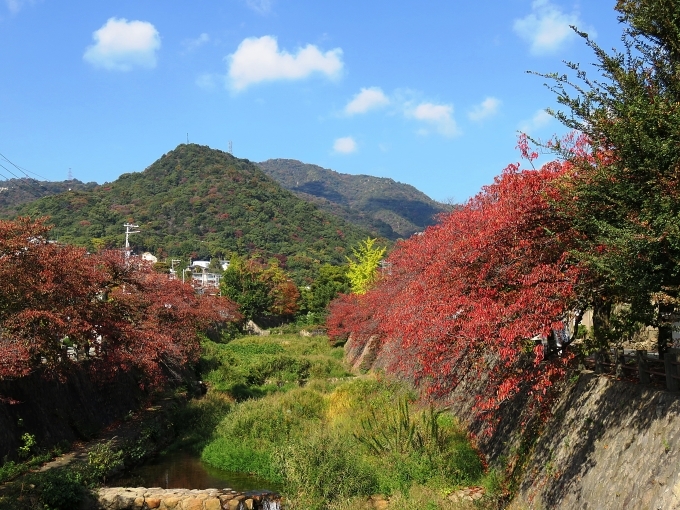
{"x": 140, "y": 498}
{"x": 610, "y": 445}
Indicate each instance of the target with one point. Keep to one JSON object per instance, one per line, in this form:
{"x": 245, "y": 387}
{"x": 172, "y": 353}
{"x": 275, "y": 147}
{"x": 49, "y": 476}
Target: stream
{"x": 185, "y": 470}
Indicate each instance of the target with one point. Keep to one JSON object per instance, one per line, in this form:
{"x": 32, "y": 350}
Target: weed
{"x": 9, "y": 470}
{"x": 28, "y": 445}
{"x": 325, "y": 468}
{"x": 61, "y": 489}
{"x": 102, "y": 459}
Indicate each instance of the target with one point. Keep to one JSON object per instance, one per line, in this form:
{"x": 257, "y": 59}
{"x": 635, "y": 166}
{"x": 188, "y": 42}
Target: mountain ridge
{"x": 17, "y": 191}
{"x": 199, "y": 202}
{"x": 384, "y": 206}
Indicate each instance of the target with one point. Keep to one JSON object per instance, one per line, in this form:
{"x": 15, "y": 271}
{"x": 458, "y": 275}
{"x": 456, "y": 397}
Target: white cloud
{"x": 540, "y": 120}
{"x": 121, "y": 45}
{"x": 260, "y": 6}
{"x": 368, "y": 99}
{"x": 547, "y": 28}
{"x": 439, "y": 116}
{"x": 484, "y": 110}
{"x": 15, "y": 6}
{"x": 192, "y": 44}
{"x": 259, "y": 59}
{"x": 345, "y": 145}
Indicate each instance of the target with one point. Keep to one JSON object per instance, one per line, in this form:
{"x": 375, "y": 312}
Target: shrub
{"x": 102, "y": 459}
{"x": 61, "y": 489}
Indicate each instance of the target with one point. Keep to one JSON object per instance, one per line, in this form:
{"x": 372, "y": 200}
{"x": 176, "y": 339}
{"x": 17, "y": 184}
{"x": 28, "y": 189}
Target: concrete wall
{"x": 53, "y": 411}
{"x": 608, "y": 445}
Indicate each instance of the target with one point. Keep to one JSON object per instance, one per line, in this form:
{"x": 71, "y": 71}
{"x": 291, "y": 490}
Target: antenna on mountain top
{"x": 187, "y": 138}
{"x": 70, "y": 175}
{"x": 230, "y": 151}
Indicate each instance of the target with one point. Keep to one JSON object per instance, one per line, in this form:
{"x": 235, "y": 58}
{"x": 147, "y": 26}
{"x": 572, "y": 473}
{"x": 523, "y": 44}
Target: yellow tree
{"x": 363, "y": 270}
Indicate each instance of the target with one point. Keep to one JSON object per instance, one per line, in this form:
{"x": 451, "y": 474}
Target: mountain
{"x": 383, "y": 206}
{"x": 199, "y": 202}
{"x": 14, "y": 192}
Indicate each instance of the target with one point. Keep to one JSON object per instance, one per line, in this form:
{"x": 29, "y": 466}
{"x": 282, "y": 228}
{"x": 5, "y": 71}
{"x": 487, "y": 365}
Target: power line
{"x": 22, "y": 170}
{"x": 28, "y": 181}
{"x": 15, "y": 175}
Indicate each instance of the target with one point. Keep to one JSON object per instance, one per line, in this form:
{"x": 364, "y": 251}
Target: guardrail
{"x": 647, "y": 369}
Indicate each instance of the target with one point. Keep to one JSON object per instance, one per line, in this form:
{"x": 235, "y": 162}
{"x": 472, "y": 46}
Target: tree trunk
{"x": 602, "y": 310}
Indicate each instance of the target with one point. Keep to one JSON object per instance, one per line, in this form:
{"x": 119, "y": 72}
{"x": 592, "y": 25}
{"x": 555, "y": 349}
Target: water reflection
{"x": 184, "y": 470}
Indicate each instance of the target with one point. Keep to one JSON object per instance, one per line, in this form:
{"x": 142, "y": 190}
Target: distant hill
{"x": 383, "y": 206}
{"x": 200, "y": 202}
{"x": 14, "y": 192}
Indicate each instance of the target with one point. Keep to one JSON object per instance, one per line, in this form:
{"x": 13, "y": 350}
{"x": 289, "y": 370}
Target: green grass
{"x": 11, "y": 469}
{"x": 300, "y": 420}
{"x": 253, "y": 367}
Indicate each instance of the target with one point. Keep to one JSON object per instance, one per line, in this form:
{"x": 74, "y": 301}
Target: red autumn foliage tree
{"x": 119, "y": 313}
{"x": 470, "y": 293}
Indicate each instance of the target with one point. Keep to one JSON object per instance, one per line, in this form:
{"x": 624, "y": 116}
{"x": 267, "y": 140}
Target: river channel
{"x": 185, "y": 470}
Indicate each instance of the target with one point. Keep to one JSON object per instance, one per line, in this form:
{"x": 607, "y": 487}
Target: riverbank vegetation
{"x": 329, "y": 438}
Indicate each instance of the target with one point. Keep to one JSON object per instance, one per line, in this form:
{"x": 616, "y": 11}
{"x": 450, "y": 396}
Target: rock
{"x": 192, "y": 504}
{"x": 170, "y": 502}
{"x": 467, "y": 494}
{"x": 121, "y": 498}
{"x": 234, "y": 504}
{"x": 212, "y": 504}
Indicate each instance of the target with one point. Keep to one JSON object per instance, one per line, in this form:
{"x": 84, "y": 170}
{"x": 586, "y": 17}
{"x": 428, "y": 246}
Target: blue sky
{"x": 428, "y": 93}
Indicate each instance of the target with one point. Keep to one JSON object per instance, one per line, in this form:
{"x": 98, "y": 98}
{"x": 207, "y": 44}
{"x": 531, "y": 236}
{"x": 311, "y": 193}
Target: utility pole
{"x": 173, "y": 263}
{"x": 128, "y": 231}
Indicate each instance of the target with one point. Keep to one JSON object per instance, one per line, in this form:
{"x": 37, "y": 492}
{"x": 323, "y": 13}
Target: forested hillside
{"x": 201, "y": 203}
{"x": 385, "y": 207}
{"x": 14, "y": 192}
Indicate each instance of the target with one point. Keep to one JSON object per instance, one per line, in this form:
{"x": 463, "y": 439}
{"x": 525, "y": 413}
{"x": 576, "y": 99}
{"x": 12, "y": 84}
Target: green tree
{"x": 625, "y": 191}
{"x": 331, "y": 281}
{"x": 363, "y": 270}
{"x": 215, "y": 266}
{"x": 263, "y": 292}
{"x": 162, "y": 267}
{"x": 241, "y": 283}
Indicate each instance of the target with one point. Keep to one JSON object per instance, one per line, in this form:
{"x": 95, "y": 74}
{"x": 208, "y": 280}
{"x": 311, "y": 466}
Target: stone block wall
{"x": 140, "y": 498}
